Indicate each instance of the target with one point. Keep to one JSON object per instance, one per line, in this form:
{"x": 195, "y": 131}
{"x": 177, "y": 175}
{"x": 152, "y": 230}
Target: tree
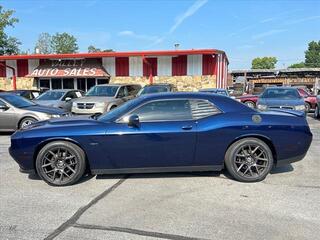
{"x": 8, "y": 45}
{"x": 64, "y": 43}
{"x": 92, "y": 49}
{"x": 43, "y": 44}
{"x": 264, "y": 63}
{"x": 312, "y": 55}
{"x": 297, "y": 65}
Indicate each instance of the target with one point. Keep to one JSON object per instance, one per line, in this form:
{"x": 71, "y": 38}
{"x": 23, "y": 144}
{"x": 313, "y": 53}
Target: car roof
{"x": 158, "y": 84}
{"x": 62, "y": 90}
{"x": 283, "y": 88}
{"x": 213, "y": 89}
{"x": 116, "y": 85}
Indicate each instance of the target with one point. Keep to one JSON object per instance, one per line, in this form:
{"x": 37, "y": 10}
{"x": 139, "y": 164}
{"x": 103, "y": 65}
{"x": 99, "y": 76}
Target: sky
{"x": 243, "y": 29}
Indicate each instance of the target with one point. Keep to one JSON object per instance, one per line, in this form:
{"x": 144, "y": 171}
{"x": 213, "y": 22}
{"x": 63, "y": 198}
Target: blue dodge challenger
{"x": 168, "y": 132}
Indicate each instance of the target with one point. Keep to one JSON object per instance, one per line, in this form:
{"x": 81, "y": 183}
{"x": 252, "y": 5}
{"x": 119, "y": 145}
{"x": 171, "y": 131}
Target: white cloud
{"x": 300, "y": 20}
{"x": 188, "y": 13}
{"x": 268, "y": 33}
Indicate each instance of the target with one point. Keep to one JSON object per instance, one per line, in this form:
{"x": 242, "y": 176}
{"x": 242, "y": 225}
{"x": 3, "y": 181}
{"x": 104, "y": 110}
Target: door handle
{"x": 187, "y": 127}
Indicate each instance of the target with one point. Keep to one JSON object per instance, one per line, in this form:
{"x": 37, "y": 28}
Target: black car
{"x": 28, "y": 94}
{"x": 157, "y": 88}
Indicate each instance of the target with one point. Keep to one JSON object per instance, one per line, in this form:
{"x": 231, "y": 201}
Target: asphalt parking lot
{"x": 164, "y": 206}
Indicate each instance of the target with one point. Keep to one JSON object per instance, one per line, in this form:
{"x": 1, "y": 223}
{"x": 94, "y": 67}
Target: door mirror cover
{"x": 133, "y": 121}
{"x": 68, "y": 99}
{"x": 4, "y": 107}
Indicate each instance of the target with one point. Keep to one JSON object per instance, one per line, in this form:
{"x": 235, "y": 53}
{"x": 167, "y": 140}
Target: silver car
{"x": 18, "y": 112}
{"x": 103, "y": 98}
{"x": 61, "y": 98}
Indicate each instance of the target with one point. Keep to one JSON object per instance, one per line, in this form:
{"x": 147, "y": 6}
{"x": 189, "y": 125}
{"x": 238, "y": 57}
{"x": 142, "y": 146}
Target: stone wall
{"x": 22, "y": 83}
{"x": 183, "y": 83}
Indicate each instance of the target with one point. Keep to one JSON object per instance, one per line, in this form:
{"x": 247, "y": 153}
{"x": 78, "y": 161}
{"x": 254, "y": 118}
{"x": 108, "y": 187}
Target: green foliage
{"x": 312, "y": 55}
{"x": 64, "y": 43}
{"x": 264, "y": 63}
{"x": 8, "y": 45}
{"x": 297, "y": 65}
{"x": 43, "y": 44}
{"x": 92, "y": 49}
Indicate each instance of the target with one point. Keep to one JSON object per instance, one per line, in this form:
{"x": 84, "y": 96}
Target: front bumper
{"x": 290, "y": 160}
{"x": 87, "y": 111}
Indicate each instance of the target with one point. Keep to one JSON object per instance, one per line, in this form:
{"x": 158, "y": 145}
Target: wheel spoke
{"x": 263, "y": 159}
{"x": 254, "y": 150}
{"x": 240, "y": 167}
{"x": 48, "y": 164}
{"x": 71, "y": 169}
{"x": 54, "y": 174}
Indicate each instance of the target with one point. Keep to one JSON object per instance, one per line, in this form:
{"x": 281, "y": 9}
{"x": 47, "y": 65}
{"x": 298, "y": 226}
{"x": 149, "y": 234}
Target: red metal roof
{"x": 113, "y": 54}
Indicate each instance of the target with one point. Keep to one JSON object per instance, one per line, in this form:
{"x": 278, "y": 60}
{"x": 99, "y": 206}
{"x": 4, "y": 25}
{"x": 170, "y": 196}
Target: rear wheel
{"x": 61, "y": 163}
{"x": 26, "y": 121}
{"x": 249, "y": 160}
{"x": 250, "y": 104}
{"x": 317, "y": 112}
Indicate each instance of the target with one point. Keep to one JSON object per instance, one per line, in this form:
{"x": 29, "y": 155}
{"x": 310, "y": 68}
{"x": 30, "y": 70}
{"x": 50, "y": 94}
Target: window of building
{"x": 90, "y": 83}
{"x": 56, "y": 83}
{"x": 44, "y": 83}
{"x": 68, "y": 83}
{"x": 81, "y": 84}
{"x": 22, "y": 66}
{"x": 102, "y": 81}
{"x": 2, "y": 69}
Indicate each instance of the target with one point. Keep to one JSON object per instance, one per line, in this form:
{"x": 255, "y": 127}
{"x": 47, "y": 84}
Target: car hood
{"x": 49, "y": 103}
{"x": 44, "y": 109}
{"x": 248, "y": 96}
{"x": 94, "y": 99}
{"x": 282, "y": 102}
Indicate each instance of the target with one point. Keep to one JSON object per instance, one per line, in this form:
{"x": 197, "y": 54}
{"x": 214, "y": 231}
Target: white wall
{"x": 164, "y": 66}
{"x": 194, "y": 65}
{"x": 135, "y": 66}
{"x": 109, "y": 63}
{"x": 32, "y": 64}
{"x": 11, "y": 63}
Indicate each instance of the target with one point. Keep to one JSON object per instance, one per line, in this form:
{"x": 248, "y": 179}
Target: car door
{"x": 166, "y": 137}
{"x": 7, "y": 116}
{"x": 66, "y": 101}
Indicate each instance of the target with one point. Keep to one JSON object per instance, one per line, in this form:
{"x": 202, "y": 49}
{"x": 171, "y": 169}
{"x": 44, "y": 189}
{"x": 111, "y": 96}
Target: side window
{"x": 2, "y": 103}
{"x": 201, "y": 109}
{"x": 70, "y": 95}
{"x": 133, "y": 90}
{"x": 166, "y": 110}
{"x": 78, "y": 94}
{"x": 123, "y": 92}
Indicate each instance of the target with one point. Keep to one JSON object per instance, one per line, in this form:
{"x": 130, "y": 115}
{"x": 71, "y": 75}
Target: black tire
{"x": 61, "y": 163}
{"x": 308, "y": 107}
{"x": 242, "y": 161}
{"x": 317, "y": 112}
{"x": 26, "y": 121}
{"x": 250, "y": 104}
{"x": 112, "y": 107}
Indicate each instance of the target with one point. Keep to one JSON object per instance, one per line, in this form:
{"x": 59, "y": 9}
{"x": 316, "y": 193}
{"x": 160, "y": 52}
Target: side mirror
{"x": 68, "y": 99}
{"x": 133, "y": 121}
{"x": 4, "y": 107}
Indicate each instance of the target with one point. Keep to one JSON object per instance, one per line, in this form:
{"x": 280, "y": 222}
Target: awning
{"x": 70, "y": 68}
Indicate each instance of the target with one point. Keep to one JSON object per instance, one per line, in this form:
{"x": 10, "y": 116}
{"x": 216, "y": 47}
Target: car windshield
{"x": 17, "y": 101}
{"x": 281, "y": 93}
{"x": 153, "y": 89}
{"x": 119, "y": 111}
{"x": 106, "y": 91}
{"x": 51, "y": 95}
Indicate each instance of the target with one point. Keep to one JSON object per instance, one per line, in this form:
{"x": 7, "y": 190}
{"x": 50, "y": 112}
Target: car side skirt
{"x": 158, "y": 169}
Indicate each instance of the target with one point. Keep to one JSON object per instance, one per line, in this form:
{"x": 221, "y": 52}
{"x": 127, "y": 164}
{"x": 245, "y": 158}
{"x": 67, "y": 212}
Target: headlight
{"x": 300, "y": 107}
{"x": 74, "y": 104}
{"x": 262, "y": 107}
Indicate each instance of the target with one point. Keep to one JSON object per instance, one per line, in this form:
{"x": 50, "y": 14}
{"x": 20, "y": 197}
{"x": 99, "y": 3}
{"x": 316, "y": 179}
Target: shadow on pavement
{"x": 282, "y": 169}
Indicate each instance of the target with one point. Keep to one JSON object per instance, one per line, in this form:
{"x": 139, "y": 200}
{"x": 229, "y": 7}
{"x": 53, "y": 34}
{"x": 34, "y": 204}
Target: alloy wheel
{"x": 27, "y": 122}
{"x": 251, "y": 161}
{"x": 59, "y": 165}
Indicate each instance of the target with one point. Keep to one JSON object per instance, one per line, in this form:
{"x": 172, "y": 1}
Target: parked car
{"x": 157, "y": 88}
{"x": 105, "y": 97}
{"x": 28, "y": 94}
{"x": 167, "y": 132}
{"x": 220, "y": 91}
{"x": 60, "y": 98}
{"x": 317, "y": 109}
{"x": 309, "y": 99}
{"x": 249, "y": 100}
{"x": 281, "y": 98}
{"x": 17, "y": 112}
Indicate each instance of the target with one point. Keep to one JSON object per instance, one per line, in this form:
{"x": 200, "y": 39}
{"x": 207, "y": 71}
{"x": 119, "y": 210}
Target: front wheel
{"x": 61, "y": 163}
{"x": 250, "y": 104}
{"x": 26, "y": 121}
{"x": 249, "y": 160}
